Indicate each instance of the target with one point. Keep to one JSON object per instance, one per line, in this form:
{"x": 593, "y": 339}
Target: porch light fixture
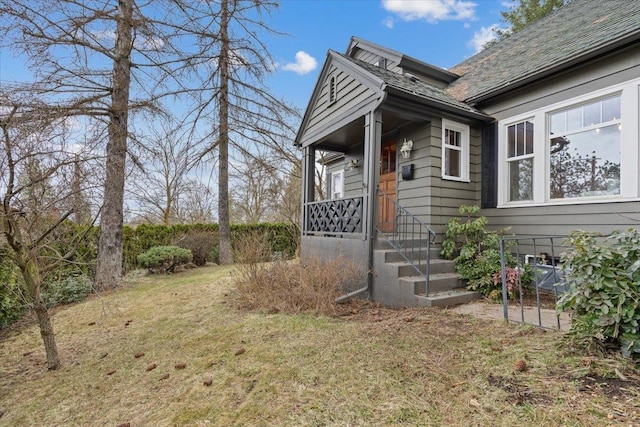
{"x": 353, "y": 164}
{"x": 405, "y": 150}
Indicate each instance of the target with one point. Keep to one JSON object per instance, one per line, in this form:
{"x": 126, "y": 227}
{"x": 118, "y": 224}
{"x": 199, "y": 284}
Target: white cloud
{"x": 388, "y": 22}
{"x": 304, "y": 64}
{"x": 482, "y": 36}
{"x": 431, "y": 10}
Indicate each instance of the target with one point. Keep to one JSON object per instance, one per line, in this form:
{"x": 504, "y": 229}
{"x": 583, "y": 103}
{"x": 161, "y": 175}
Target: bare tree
{"x": 162, "y": 179}
{"x": 110, "y": 59}
{"x": 248, "y": 114}
{"x": 196, "y": 204}
{"x": 255, "y": 190}
{"x": 265, "y": 189}
{"x": 35, "y": 164}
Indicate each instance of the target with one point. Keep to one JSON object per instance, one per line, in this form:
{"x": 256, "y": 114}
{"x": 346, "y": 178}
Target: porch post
{"x": 371, "y": 177}
{"x": 371, "y": 173}
{"x": 308, "y": 183}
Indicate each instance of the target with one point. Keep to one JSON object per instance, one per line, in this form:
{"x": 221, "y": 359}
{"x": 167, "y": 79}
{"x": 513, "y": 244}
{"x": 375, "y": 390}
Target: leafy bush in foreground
{"x": 164, "y": 259}
{"x": 476, "y": 252}
{"x": 605, "y": 290}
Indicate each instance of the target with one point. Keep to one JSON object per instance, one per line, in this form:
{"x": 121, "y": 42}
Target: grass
{"x": 368, "y": 366}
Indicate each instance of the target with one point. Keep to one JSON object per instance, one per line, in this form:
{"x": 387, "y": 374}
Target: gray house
{"x": 541, "y": 130}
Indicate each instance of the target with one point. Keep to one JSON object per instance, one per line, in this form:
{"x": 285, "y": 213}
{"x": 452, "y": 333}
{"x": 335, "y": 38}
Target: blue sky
{"x": 439, "y": 32}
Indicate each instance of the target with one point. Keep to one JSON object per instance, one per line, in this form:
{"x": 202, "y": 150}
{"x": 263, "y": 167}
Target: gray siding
{"x": 562, "y": 219}
{"x": 350, "y": 94}
{"x": 432, "y": 199}
{"x": 352, "y": 177}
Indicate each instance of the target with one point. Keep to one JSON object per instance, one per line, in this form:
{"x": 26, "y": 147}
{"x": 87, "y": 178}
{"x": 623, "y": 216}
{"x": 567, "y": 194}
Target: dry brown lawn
{"x": 202, "y": 361}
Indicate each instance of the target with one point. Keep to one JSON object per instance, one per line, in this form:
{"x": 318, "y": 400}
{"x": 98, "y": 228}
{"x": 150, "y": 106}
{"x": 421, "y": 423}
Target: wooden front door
{"x": 388, "y": 175}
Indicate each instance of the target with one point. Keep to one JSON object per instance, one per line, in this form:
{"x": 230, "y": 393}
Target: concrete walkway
{"x": 489, "y": 310}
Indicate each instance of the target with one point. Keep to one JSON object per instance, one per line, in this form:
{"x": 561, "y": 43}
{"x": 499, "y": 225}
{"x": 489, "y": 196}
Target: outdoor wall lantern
{"x": 353, "y": 164}
{"x": 405, "y": 150}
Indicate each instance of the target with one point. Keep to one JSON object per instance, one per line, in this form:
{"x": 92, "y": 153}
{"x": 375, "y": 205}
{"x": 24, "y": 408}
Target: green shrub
{"x": 214, "y": 255}
{"x": 164, "y": 258}
{"x": 476, "y": 252}
{"x": 200, "y": 243}
{"x": 11, "y": 300}
{"x": 283, "y": 238}
{"x": 67, "y": 290}
{"x": 604, "y": 293}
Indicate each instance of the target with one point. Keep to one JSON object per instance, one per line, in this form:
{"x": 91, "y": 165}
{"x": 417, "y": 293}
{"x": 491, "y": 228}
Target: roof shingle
{"x": 412, "y": 86}
{"x": 573, "y": 31}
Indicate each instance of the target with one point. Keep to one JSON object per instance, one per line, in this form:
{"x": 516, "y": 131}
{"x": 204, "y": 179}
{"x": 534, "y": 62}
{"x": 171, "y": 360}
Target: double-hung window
{"x": 455, "y": 151}
{"x": 520, "y": 161}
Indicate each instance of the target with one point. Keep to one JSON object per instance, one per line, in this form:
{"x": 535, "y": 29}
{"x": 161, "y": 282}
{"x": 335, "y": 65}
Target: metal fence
{"x": 533, "y": 303}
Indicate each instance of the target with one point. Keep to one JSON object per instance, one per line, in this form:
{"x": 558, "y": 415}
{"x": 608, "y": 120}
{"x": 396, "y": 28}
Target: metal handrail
{"x": 408, "y": 235}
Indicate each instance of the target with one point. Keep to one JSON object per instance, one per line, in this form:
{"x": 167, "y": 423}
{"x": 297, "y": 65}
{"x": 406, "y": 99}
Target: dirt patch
{"x": 517, "y": 392}
{"x": 611, "y": 387}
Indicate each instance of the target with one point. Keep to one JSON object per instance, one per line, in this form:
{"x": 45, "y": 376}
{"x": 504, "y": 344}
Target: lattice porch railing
{"x": 339, "y": 216}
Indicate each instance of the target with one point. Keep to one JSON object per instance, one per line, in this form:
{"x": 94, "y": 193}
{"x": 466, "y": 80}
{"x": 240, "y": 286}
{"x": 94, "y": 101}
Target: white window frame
{"x": 337, "y": 193}
{"x": 630, "y": 152}
{"x": 463, "y": 149}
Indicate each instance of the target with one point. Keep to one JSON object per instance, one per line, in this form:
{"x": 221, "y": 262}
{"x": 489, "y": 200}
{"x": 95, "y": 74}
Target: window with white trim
{"x": 337, "y": 184}
{"x": 455, "y": 151}
{"x": 582, "y": 150}
{"x": 520, "y": 161}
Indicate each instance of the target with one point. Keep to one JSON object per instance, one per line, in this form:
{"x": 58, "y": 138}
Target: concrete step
{"x": 381, "y": 243}
{"x": 436, "y": 266}
{"x": 391, "y": 255}
{"x": 447, "y": 298}
{"x": 439, "y": 282}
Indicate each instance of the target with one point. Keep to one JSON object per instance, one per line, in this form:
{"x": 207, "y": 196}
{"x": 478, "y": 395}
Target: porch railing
{"x": 335, "y": 217}
{"x": 408, "y": 236}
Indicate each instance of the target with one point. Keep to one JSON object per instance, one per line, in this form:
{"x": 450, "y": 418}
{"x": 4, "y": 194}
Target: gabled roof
{"x": 417, "y": 88}
{"x": 578, "y": 31}
{"x": 404, "y": 61}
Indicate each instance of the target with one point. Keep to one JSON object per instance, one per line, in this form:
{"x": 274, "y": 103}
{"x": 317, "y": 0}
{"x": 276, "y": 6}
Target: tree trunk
{"x": 109, "y": 263}
{"x": 46, "y": 332}
{"x": 31, "y": 276}
{"x": 224, "y": 231}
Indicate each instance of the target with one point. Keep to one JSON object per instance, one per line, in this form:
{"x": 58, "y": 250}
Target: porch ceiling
{"x": 353, "y": 133}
